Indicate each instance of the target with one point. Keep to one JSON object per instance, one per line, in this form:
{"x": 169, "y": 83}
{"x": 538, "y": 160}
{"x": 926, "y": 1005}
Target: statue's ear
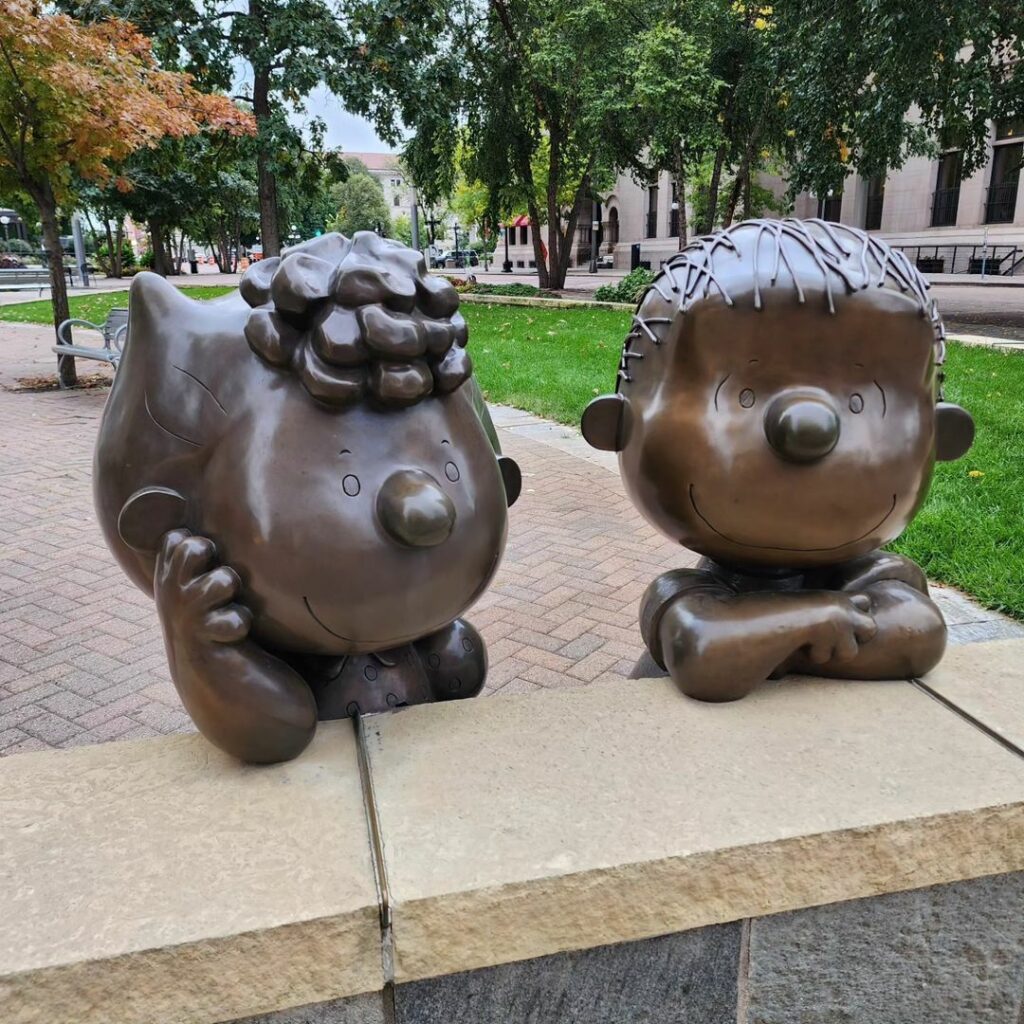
{"x": 148, "y": 514}
{"x": 602, "y": 422}
{"x": 512, "y": 478}
{"x": 954, "y": 431}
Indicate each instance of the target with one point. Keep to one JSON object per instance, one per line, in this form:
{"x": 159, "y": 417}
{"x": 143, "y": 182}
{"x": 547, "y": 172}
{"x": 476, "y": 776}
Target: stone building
{"x": 397, "y": 189}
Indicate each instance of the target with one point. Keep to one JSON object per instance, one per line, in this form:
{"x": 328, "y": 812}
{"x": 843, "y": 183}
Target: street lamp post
{"x": 506, "y": 267}
{"x": 5, "y": 220}
{"x": 455, "y": 228}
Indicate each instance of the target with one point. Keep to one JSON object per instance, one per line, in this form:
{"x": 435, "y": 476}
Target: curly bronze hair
{"x": 357, "y": 318}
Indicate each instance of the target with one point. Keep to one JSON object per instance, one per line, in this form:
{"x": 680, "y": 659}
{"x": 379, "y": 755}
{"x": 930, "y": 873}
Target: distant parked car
{"x": 460, "y": 257}
{"x": 606, "y": 262}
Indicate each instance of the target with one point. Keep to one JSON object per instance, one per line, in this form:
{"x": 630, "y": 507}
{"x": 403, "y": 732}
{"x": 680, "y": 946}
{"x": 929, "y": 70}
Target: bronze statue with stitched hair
{"x": 305, "y": 476}
{"x": 779, "y": 411}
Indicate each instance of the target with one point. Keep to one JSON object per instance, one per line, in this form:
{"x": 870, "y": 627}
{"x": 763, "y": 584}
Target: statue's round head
{"x": 779, "y": 397}
{"x": 388, "y": 508}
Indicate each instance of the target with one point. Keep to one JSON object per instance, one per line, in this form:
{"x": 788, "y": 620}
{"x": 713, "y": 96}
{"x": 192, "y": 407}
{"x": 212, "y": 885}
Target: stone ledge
{"x": 569, "y": 820}
{"x": 161, "y": 881}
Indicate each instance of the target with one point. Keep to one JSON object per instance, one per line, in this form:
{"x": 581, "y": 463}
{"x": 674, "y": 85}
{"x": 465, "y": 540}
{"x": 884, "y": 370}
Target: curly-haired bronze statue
{"x": 779, "y": 410}
{"x": 304, "y": 475}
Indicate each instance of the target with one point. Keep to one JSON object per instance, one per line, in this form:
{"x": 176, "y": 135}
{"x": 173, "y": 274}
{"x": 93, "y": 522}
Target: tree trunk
{"x": 66, "y": 371}
{"x": 161, "y": 262}
{"x": 556, "y": 278}
{"x": 113, "y": 263}
{"x": 117, "y": 260}
{"x": 565, "y": 241}
{"x": 716, "y": 179}
{"x": 270, "y": 234}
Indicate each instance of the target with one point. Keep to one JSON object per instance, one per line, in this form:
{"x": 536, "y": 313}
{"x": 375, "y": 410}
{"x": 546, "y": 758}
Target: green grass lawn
{"x": 91, "y": 307}
{"x": 553, "y": 361}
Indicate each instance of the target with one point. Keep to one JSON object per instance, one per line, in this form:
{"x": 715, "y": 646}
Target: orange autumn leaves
{"x": 82, "y": 97}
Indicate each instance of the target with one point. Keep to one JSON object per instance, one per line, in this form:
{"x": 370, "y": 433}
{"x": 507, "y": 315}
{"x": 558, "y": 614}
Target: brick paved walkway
{"x": 81, "y": 658}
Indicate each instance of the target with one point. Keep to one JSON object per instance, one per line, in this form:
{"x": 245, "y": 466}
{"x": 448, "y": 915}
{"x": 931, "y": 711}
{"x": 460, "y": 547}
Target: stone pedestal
{"x": 820, "y": 852}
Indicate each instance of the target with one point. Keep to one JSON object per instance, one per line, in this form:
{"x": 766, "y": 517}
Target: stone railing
{"x": 816, "y": 852}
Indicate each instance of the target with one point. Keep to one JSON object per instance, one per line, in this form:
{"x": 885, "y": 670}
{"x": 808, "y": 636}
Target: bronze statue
{"x": 304, "y": 475}
{"x": 779, "y": 410}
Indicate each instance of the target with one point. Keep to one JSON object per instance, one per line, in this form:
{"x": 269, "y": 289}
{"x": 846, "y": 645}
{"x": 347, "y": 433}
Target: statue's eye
{"x": 451, "y": 471}
{"x": 747, "y": 398}
{"x": 350, "y": 485}
{"x": 856, "y": 402}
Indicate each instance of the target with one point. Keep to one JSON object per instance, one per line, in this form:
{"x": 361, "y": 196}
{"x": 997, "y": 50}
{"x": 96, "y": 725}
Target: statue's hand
{"x": 840, "y": 624}
{"x": 195, "y": 599}
{"x": 243, "y": 698}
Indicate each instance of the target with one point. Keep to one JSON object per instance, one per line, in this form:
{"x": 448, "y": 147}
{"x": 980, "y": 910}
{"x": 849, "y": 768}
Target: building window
{"x": 613, "y": 226}
{"x": 652, "y": 211}
{"x": 1010, "y": 130}
{"x": 397, "y": 199}
{"x": 829, "y": 206}
{"x": 946, "y": 200}
{"x": 524, "y": 235}
{"x": 875, "y": 201}
{"x": 1007, "y": 155}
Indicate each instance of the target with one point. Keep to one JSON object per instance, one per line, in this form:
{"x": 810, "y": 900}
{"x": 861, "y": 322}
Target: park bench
{"x": 26, "y": 279}
{"x": 113, "y": 330}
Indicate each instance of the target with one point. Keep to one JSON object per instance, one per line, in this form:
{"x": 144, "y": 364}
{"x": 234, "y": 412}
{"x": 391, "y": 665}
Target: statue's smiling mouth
{"x": 320, "y": 622}
{"x": 777, "y": 547}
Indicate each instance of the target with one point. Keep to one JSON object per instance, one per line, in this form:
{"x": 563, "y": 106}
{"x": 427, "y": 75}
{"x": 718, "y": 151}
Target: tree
{"x": 75, "y": 99}
{"x": 361, "y": 205}
{"x": 522, "y": 82}
{"x": 675, "y": 94}
{"x": 402, "y": 229}
{"x": 869, "y": 83}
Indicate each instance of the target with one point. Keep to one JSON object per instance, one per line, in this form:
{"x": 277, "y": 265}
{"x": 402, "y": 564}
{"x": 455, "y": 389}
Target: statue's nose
{"x": 801, "y": 427}
{"x": 414, "y": 510}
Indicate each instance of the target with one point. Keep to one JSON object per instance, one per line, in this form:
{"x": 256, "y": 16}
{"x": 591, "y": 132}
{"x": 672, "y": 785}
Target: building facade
{"x": 945, "y": 222}
{"x": 398, "y": 192}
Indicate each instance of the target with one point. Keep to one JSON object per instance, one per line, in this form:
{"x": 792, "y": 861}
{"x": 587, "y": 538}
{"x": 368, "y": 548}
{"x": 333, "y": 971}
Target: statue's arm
{"x": 718, "y": 645}
{"x": 911, "y": 634}
{"x": 242, "y": 698}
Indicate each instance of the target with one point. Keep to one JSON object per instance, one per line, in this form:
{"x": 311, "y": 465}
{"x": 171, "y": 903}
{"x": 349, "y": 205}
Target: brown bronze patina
{"x": 779, "y": 410}
{"x": 305, "y": 476}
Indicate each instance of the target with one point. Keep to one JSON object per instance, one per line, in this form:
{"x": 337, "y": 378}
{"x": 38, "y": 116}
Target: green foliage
{"x": 360, "y": 205}
{"x": 528, "y": 290}
{"x": 868, "y": 83}
{"x": 630, "y": 289}
{"x": 402, "y": 229}
{"x": 146, "y": 260}
{"x": 18, "y": 246}
{"x": 127, "y": 256}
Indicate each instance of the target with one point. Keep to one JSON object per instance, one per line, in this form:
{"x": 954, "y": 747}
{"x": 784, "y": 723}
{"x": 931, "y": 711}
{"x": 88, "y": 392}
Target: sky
{"x": 353, "y": 134}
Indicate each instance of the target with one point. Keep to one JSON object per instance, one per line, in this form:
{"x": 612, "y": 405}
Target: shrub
{"x": 18, "y": 246}
{"x": 146, "y": 260}
{"x": 506, "y": 289}
{"x": 630, "y": 289}
{"x": 127, "y": 256}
